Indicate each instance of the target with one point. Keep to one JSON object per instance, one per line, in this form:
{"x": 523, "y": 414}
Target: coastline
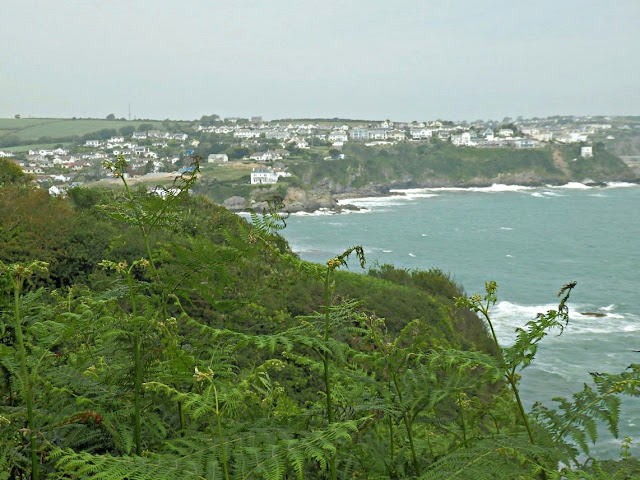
{"x": 337, "y": 203}
{"x": 342, "y": 204}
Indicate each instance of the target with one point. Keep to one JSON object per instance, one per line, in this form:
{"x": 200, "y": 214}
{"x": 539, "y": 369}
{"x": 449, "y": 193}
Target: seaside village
{"x": 154, "y": 153}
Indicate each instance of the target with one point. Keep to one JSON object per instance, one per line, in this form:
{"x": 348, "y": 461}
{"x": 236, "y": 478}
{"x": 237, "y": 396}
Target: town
{"x": 264, "y": 145}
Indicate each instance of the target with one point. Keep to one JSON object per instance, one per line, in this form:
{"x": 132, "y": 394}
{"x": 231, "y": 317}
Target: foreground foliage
{"x": 208, "y": 350}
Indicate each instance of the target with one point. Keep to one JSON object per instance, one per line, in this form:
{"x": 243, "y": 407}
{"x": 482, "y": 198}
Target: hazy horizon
{"x": 361, "y": 59}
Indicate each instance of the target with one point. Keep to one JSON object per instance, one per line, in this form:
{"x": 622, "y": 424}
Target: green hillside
{"x": 36, "y": 129}
{"x": 164, "y": 337}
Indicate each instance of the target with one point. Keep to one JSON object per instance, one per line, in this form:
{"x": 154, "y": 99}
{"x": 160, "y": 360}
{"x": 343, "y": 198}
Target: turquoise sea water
{"x": 531, "y": 241}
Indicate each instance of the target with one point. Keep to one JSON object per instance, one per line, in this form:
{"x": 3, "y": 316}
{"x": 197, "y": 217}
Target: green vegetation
{"x": 33, "y": 129}
{"x": 407, "y": 164}
{"x": 162, "y": 337}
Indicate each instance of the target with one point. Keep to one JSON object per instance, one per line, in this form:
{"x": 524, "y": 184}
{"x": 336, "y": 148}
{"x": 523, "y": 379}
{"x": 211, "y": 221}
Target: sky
{"x": 362, "y": 59}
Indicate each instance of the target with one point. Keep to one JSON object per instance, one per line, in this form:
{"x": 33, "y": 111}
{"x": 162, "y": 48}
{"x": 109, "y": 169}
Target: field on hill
{"x": 36, "y": 128}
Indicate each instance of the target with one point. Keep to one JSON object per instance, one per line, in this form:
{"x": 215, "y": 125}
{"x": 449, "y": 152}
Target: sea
{"x": 531, "y": 241}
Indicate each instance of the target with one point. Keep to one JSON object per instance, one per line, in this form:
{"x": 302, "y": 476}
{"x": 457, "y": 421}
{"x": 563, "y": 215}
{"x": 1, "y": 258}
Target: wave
{"x": 316, "y": 213}
{"x": 573, "y": 186}
{"x": 413, "y": 193}
{"x": 621, "y": 185}
{"x": 495, "y": 188}
{"x": 507, "y": 316}
{"x": 546, "y": 194}
{"x": 373, "y": 202}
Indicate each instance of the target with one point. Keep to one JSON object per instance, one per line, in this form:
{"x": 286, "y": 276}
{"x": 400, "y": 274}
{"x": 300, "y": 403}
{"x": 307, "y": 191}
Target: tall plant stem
{"x": 137, "y": 365}
{"x": 137, "y": 426}
{"x": 407, "y": 423}
{"x": 405, "y": 418}
{"x": 26, "y": 378}
{"x": 325, "y": 361}
{"x": 223, "y": 451}
{"x": 509, "y": 375}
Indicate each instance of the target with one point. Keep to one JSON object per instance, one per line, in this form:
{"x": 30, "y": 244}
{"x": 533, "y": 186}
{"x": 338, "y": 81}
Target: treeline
{"x": 160, "y": 336}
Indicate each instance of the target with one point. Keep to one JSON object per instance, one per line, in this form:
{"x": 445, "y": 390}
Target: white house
{"x": 396, "y": 134}
{"x": 359, "y": 133}
{"x": 338, "y": 136}
{"x": 378, "y": 134}
{"x": 586, "y": 152}
{"x": 262, "y": 156}
{"x": 462, "y": 139}
{"x": 263, "y": 175}
{"x": 141, "y": 150}
{"x": 247, "y": 133}
{"x": 421, "y": 133}
{"x": 218, "y": 158}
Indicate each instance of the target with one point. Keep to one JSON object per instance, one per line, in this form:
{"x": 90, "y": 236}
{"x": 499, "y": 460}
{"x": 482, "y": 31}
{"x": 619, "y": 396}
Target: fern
{"x": 579, "y": 419}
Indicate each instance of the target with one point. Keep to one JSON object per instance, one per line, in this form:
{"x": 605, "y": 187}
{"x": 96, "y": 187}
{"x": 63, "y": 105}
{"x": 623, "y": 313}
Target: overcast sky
{"x": 368, "y": 59}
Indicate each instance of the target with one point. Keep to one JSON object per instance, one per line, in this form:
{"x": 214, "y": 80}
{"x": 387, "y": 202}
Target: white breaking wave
{"x": 621, "y": 185}
{"x": 374, "y": 202}
{"x": 317, "y": 213}
{"x": 413, "y": 193}
{"x": 499, "y": 188}
{"x": 495, "y": 188}
{"x": 575, "y": 186}
{"x": 507, "y": 316}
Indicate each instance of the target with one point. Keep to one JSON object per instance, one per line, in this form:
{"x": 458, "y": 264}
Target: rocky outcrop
{"x": 300, "y": 200}
{"x": 235, "y": 204}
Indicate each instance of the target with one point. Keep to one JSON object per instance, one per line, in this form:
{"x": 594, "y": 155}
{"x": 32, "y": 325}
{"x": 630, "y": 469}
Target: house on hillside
{"x": 396, "y": 134}
{"x": 263, "y": 175}
{"x": 421, "y": 133}
{"x": 246, "y": 133}
{"x": 338, "y": 136}
{"x": 359, "y": 134}
{"x": 378, "y": 134}
{"x": 217, "y": 158}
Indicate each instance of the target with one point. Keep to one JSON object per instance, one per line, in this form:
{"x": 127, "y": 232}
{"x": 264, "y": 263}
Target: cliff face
{"x": 369, "y": 171}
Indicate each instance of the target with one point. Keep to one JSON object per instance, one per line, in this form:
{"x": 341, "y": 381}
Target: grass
{"x": 66, "y": 128}
{"x": 12, "y": 124}
{"x": 225, "y": 173}
{"x": 34, "y": 146}
{"x": 35, "y": 128}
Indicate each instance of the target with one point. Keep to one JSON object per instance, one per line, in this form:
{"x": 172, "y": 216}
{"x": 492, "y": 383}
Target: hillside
{"x": 374, "y": 170}
{"x": 163, "y": 337}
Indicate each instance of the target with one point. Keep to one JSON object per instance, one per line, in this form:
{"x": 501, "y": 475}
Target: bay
{"x": 531, "y": 241}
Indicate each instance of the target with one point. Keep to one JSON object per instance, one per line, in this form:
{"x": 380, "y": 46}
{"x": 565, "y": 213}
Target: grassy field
{"x": 35, "y": 128}
{"x": 20, "y": 123}
{"x": 33, "y": 146}
{"x": 226, "y": 173}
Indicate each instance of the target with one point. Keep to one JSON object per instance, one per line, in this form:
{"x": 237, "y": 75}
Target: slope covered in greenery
{"x": 160, "y": 336}
{"x": 441, "y": 164}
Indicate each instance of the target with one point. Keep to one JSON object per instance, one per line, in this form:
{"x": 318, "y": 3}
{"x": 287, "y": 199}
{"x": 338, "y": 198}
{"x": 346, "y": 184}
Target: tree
{"x": 10, "y": 172}
{"x": 143, "y": 127}
{"x": 127, "y": 130}
{"x": 16, "y": 116}
{"x": 238, "y": 152}
{"x": 111, "y": 116}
